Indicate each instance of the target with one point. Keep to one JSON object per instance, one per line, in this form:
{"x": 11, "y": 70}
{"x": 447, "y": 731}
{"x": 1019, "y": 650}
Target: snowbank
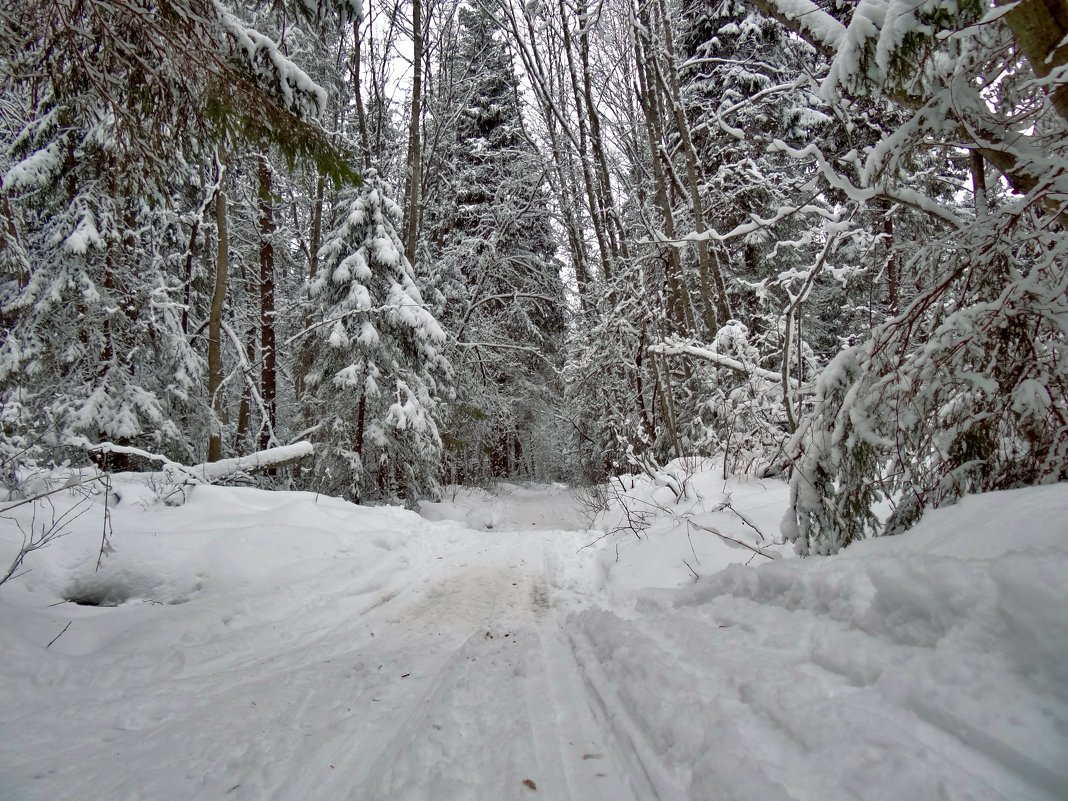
{"x": 288, "y": 645}
{"x": 222, "y": 542}
{"x": 649, "y": 538}
{"x": 931, "y": 665}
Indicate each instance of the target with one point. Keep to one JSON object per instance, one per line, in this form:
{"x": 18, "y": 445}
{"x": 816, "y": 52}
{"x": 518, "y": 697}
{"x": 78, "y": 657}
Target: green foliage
{"x": 248, "y": 120}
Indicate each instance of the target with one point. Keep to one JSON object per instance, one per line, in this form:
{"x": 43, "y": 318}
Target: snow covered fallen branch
{"x": 261, "y": 460}
{"x": 210, "y": 472}
{"x": 679, "y": 349}
{"x": 104, "y": 448}
{"x": 721, "y": 535}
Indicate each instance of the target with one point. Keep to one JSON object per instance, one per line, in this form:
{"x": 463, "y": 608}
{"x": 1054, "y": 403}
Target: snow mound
{"x": 509, "y": 507}
{"x": 927, "y": 665}
{"x": 650, "y": 538}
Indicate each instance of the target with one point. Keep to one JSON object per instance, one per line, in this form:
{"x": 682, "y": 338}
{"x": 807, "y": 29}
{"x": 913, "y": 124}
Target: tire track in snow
{"x": 438, "y": 673}
{"x": 506, "y": 713}
{"x": 584, "y": 759}
{"x": 648, "y": 775}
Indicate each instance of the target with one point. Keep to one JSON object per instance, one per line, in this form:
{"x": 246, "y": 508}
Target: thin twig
{"x": 727, "y": 505}
{"x": 105, "y": 545}
{"x": 594, "y": 542}
{"x": 720, "y": 534}
{"x": 60, "y": 634}
{"x": 38, "y": 497}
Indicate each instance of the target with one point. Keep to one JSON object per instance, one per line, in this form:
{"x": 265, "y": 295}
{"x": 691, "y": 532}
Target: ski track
{"x": 464, "y": 665}
{"x": 443, "y": 673}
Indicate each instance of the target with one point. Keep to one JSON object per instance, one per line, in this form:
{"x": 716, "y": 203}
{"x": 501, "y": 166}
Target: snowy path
{"x": 288, "y": 647}
{"x": 465, "y": 688}
{"x": 443, "y": 673}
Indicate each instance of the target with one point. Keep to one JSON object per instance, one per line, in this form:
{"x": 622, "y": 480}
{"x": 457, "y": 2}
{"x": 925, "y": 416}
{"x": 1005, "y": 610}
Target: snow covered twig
{"x": 723, "y": 536}
{"x": 51, "y": 528}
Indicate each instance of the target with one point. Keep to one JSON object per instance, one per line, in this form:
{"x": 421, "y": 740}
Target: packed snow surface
{"x": 522, "y": 645}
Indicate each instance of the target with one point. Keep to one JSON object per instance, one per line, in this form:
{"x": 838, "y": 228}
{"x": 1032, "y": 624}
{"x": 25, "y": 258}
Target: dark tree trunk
{"x": 268, "y": 355}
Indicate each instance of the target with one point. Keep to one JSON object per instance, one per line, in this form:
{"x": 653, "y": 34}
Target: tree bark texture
{"x": 268, "y": 349}
{"x": 218, "y": 300}
{"x": 415, "y": 156}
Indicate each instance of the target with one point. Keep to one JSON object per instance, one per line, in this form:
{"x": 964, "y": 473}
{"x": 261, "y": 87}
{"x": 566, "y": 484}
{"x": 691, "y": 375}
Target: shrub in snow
{"x": 966, "y": 391}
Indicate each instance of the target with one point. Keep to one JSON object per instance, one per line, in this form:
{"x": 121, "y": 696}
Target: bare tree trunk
{"x": 415, "y": 156}
{"x": 613, "y": 225}
{"x": 189, "y": 254}
{"x": 361, "y": 114}
{"x": 244, "y": 410}
{"x": 268, "y": 351}
{"x": 713, "y": 287}
{"x": 596, "y": 217}
{"x": 314, "y": 242}
{"x": 218, "y": 299}
{"x": 1041, "y": 31}
{"x": 680, "y": 312}
{"x": 565, "y": 192}
{"x": 982, "y": 206}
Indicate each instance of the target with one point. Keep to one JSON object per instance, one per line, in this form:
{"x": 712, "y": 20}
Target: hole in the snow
{"x": 97, "y": 596}
{"x": 113, "y": 587}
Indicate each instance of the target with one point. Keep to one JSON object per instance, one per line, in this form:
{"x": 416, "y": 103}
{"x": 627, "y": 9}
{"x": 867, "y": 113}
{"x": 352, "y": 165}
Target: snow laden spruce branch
{"x": 965, "y": 389}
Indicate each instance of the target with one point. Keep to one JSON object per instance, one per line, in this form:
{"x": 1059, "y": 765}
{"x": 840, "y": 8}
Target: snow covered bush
{"x": 965, "y": 391}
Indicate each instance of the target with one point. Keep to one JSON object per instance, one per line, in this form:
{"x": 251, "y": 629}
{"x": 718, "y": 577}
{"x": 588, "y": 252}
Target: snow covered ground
{"x": 289, "y": 646}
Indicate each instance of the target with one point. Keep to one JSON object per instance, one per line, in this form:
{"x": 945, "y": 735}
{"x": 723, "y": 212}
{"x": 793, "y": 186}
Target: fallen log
{"x": 210, "y": 472}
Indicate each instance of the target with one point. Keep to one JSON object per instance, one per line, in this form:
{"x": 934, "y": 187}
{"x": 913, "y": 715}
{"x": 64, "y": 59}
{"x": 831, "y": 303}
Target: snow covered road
{"x": 288, "y": 647}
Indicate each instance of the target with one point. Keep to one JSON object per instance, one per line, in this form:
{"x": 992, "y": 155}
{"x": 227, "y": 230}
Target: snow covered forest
{"x": 460, "y": 242}
{"x": 630, "y": 303}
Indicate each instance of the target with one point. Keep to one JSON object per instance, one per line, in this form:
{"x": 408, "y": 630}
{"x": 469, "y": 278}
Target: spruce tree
{"x": 378, "y": 372}
{"x": 494, "y": 248}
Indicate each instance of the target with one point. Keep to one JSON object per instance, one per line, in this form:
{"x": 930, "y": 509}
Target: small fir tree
{"x": 378, "y": 371}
